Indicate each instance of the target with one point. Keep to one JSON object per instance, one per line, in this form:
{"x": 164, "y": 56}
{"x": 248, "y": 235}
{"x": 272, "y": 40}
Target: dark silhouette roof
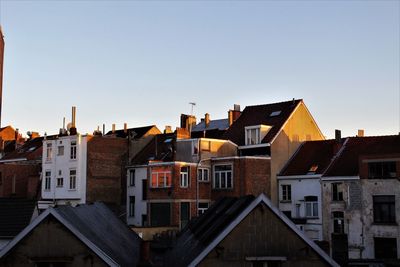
{"x": 347, "y": 162}
{"x": 274, "y": 115}
{"x": 15, "y": 215}
{"x": 312, "y": 157}
{"x": 138, "y": 131}
{"x": 97, "y": 227}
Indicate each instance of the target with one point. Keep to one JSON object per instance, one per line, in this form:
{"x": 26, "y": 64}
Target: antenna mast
{"x": 193, "y": 104}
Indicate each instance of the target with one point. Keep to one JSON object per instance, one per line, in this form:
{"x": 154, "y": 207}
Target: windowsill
{"x": 72, "y": 159}
{"x": 286, "y": 201}
{"x": 222, "y": 189}
{"x": 337, "y": 201}
{"x": 165, "y": 187}
{"x": 201, "y": 181}
{"x": 385, "y": 223}
{"x": 46, "y": 190}
{"x": 59, "y": 186}
{"x": 185, "y": 187}
{"x": 72, "y": 189}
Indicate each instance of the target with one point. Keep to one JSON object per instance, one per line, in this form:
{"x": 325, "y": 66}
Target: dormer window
{"x": 255, "y": 134}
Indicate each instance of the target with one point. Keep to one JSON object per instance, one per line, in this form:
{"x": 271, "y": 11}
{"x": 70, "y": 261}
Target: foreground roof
{"x": 274, "y": 115}
{"x": 204, "y": 233}
{"x": 347, "y": 161}
{"x": 15, "y": 215}
{"x": 98, "y": 228}
{"x": 312, "y": 157}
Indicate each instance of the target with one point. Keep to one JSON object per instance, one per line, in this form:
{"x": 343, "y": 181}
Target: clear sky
{"x": 142, "y": 62}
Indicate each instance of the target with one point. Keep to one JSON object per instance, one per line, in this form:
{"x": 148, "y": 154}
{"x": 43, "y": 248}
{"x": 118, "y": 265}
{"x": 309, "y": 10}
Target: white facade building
{"x": 64, "y": 170}
{"x": 136, "y": 213}
{"x": 300, "y": 199}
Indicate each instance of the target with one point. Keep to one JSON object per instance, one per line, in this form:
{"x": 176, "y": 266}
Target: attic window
{"x": 31, "y": 149}
{"x": 275, "y": 113}
{"x": 313, "y": 169}
{"x": 169, "y": 140}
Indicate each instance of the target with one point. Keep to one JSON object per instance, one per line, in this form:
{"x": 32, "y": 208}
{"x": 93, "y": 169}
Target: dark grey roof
{"x": 98, "y": 224}
{"x": 138, "y": 131}
{"x": 221, "y": 124}
{"x": 15, "y": 215}
{"x": 201, "y": 231}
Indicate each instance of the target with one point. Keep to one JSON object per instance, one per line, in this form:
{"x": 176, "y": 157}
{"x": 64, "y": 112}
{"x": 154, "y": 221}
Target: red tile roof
{"x": 309, "y": 154}
{"x": 347, "y": 163}
{"x": 261, "y": 114}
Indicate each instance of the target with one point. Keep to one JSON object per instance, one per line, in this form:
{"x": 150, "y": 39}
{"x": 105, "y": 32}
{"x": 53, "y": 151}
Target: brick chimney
{"x": 113, "y": 128}
{"x": 338, "y": 136}
{"x": 207, "y": 119}
{"x": 360, "y": 133}
{"x": 125, "y": 128}
{"x": 234, "y": 114}
{"x": 188, "y": 122}
{"x": 72, "y": 130}
{"x": 168, "y": 129}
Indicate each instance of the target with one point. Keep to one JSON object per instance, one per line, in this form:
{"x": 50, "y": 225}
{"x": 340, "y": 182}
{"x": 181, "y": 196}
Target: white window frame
{"x": 311, "y": 204}
{"x": 286, "y": 193}
{"x": 184, "y": 177}
{"x": 72, "y": 179}
{"x": 218, "y": 175}
{"x": 248, "y": 135}
{"x": 47, "y": 180}
{"x": 201, "y": 174}
{"x": 159, "y": 173}
{"x": 73, "y": 150}
{"x": 60, "y": 182}
{"x": 131, "y": 176}
{"x": 49, "y": 151}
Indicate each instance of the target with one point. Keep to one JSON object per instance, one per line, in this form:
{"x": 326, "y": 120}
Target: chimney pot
{"x": 113, "y": 128}
{"x": 125, "y": 128}
{"x": 360, "y": 133}
{"x": 207, "y": 119}
{"x": 338, "y": 135}
{"x": 236, "y": 107}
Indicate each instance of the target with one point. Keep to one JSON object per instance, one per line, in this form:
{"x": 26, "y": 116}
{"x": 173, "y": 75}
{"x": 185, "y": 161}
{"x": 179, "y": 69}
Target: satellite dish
{"x": 69, "y": 125}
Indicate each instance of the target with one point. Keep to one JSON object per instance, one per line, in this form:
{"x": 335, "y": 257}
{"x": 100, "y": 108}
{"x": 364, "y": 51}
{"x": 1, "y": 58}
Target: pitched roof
{"x": 160, "y": 148}
{"x": 317, "y": 154}
{"x": 98, "y": 228}
{"x": 204, "y": 233}
{"x": 347, "y": 162}
{"x": 221, "y": 124}
{"x": 26, "y": 150}
{"x": 15, "y": 215}
{"x": 139, "y": 131}
{"x": 274, "y": 115}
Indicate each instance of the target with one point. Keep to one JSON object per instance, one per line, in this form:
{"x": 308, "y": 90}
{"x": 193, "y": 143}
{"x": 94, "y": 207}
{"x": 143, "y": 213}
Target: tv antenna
{"x": 193, "y": 104}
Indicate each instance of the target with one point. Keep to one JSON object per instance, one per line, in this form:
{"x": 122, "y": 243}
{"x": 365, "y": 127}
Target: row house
{"x": 359, "y": 188}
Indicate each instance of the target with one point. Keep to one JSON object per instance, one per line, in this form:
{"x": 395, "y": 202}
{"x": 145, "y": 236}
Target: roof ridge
{"x": 275, "y": 103}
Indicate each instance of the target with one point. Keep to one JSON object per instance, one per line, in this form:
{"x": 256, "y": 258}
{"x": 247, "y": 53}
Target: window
{"x": 286, "y": 192}
{"x": 144, "y": 189}
{"x": 72, "y": 179}
{"x": 338, "y": 222}
{"x": 385, "y": 248}
{"x": 382, "y": 170}
{"x": 132, "y": 206}
{"x": 223, "y": 177}
{"x": 73, "y": 150}
{"x": 203, "y": 206}
{"x": 60, "y": 182}
{"x": 185, "y": 176}
{"x": 60, "y": 151}
{"x": 160, "y": 179}
{"x": 203, "y": 174}
{"x": 49, "y": 150}
{"x": 311, "y": 203}
{"x": 132, "y": 177}
{"x": 252, "y": 136}
{"x": 160, "y": 214}
{"x": 337, "y": 194}
{"x": 195, "y": 147}
{"x": 384, "y": 209}
{"x": 47, "y": 180}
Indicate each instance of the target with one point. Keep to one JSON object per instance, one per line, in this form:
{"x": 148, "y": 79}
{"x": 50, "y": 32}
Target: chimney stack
{"x": 113, "y": 128}
{"x": 168, "y": 129}
{"x": 125, "y": 128}
{"x": 72, "y": 130}
{"x": 338, "y": 135}
{"x": 234, "y": 114}
{"x": 104, "y": 129}
{"x": 207, "y": 119}
{"x": 360, "y": 133}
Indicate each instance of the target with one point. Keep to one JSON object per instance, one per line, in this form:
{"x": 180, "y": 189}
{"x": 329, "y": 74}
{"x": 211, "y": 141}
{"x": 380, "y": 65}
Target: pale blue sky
{"x": 142, "y": 62}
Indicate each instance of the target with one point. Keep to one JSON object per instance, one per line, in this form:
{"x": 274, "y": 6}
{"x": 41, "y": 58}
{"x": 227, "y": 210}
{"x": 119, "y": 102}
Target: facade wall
{"x": 136, "y": 191}
{"x": 300, "y": 127}
{"x": 50, "y": 240}
{"x": 106, "y": 179}
{"x": 301, "y": 187}
{"x": 262, "y": 234}
{"x": 19, "y": 179}
{"x": 64, "y": 163}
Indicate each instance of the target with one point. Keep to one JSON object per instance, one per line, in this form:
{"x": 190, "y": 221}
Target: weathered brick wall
{"x": 106, "y": 178}
{"x": 26, "y": 179}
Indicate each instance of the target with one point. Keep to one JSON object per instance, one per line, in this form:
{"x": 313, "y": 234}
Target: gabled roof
{"x": 274, "y": 115}
{"x": 203, "y": 234}
{"x": 97, "y": 227}
{"x": 221, "y": 124}
{"x": 347, "y": 162}
{"x": 160, "y": 148}
{"x": 139, "y": 131}
{"x": 15, "y": 215}
{"x": 25, "y": 151}
{"x": 312, "y": 157}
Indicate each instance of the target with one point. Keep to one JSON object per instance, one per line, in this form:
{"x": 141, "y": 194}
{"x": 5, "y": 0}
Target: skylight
{"x": 313, "y": 169}
{"x": 275, "y": 113}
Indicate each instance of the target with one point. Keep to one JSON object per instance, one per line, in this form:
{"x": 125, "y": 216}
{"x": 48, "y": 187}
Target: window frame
{"x": 286, "y": 193}
{"x": 73, "y": 150}
{"x": 249, "y": 137}
{"x": 389, "y": 205}
{"x": 165, "y": 178}
{"x": 132, "y": 177}
{"x": 72, "y": 179}
{"x": 220, "y": 187}
{"x": 313, "y": 203}
{"x": 60, "y": 184}
{"x": 184, "y": 177}
{"x": 337, "y": 194}
{"x": 49, "y": 151}
{"x": 338, "y": 222}
{"x": 201, "y": 174}
{"x": 382, "y": 166}
{"x": 47, "y": 180}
